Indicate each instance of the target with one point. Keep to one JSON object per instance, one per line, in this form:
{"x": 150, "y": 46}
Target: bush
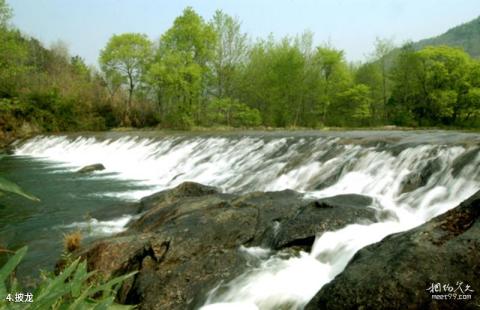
{"x": 73, "y": 288}
{"x": 230, "y": 112}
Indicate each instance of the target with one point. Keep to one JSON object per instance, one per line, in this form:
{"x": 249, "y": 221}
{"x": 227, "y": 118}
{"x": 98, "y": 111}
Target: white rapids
{"x": 255, "y": 162}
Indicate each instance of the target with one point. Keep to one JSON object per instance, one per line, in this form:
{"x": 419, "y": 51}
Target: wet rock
{"x": 397, "y": 272}
{"x": 329, "y": 180}
{"x": 397, "y": 148}
{"x": 188, "y": 239}
{"x": 91, "y": 168}
{"x": 6, "y": 146}
{"x": 344, "y": 201}
{"x": 184, "y": 190}
{"x": 461, "y": 161}
{"x": 418, "y": 179}
{"x": 325, "y": 214}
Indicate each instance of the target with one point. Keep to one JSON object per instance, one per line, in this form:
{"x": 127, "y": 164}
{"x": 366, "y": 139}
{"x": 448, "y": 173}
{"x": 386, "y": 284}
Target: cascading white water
{"x": 239, "y": 164}
{"x": 232, "y": 164}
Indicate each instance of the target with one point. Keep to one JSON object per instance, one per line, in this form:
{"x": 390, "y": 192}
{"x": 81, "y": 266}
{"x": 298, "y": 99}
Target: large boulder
{"x": 187, "y": 240}
{"x": 399, "y": 271}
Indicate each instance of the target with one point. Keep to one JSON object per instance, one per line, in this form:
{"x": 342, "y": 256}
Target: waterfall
{"x": 446, "y": 167}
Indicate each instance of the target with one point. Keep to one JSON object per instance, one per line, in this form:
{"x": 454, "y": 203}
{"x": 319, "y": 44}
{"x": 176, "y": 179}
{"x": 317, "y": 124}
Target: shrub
{"x": 73, "y": 288}
{"x": 230, "y": 112}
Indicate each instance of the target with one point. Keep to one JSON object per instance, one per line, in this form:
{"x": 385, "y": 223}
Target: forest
{"x": 208, "y": 73}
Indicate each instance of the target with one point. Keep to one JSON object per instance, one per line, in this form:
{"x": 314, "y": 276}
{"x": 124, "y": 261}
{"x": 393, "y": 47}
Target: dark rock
{"x": 7, "y": 147}
{"x": 325, "y": 214}
{"x": 397, "y": 148}
{"x": 461, "y": 161}
{"x": 418, "y": 179}
{"x": 397, "y": 272}
{"x": 187, "y": 239}
{"x": 91, "y": 168}
{"x": 344, "y": 201}
{"x": 331, "y": 177}
{"x": 328, "y": 180}
{"x": 186, "y": 189}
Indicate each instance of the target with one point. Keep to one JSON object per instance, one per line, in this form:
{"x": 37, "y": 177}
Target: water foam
{"x": 94, "y": 227}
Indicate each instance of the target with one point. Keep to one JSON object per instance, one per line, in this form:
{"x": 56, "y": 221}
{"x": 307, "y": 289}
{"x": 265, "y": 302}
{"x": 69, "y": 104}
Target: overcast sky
{"x": 351, "y": 25}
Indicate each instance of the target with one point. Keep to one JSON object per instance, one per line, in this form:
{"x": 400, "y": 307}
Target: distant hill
{"x": 466, "y": 36}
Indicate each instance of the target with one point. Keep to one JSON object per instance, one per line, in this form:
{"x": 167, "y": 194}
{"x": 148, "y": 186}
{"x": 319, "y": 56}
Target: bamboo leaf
{"x": 108, "y": 286}
{"x": 10, "y": 187}
{"x": 9, "y": 267}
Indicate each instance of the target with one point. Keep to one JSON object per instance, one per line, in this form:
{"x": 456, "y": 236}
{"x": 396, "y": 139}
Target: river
{"x": 318, "y": 164}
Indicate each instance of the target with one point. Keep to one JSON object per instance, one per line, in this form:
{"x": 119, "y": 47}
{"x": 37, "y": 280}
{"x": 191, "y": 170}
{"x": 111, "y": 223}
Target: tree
{"x": 353, "y": 106}
{"x": 180, "y": 71}
{"x": 230, "y": 51}
{"x": 177, "y": 83}
{"x": 433, "y": 85}
{"x": 190, "y": 34}
{"x": 472, "y": 106}
{"x": 79, "y": 66}
{"x": 14, "y": 67}
{"x": 126, "y": 56}
{"x": 406, "y": 87}
{"x": 334, "y": 77}
{"x": 5, "y": 13}
{"x": 471, "y": 102}
{"x": 272, "y": 81}
{"x": 369, "y": 74}
{"x": 383, "y": 49}
{"x": 444, "y": 77}
{"x": 230, "y": 112}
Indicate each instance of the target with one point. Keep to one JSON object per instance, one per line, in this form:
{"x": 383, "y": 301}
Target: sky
{"x": 351, "y": 25}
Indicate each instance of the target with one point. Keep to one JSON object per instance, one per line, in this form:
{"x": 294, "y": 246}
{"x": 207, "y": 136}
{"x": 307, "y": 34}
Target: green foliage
{"x": 7, "y": 270}
{"x": 231, "y": 51}
{"x": 273, "y": 82}
{"x": 46, "y": 89}
{"x": 229, "y": 112}
{"x": 205, "y": 73}
{"x": 370, "y": 75}
{"x": 180, "y": 72}
{"x": 472, "y": 103}
{"x": 73, "y": 288}
{"x": 5, "y": 13}
{"x": 435, "y": 86}
{"x": 124, "y": 61}
{"x": 190, "y": 35}
{"x": 353, "y": 106}
{"x": 334, "y": 78}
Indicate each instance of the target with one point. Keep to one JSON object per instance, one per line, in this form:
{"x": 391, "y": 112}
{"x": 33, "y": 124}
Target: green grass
{"x": 73, "y": 288}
